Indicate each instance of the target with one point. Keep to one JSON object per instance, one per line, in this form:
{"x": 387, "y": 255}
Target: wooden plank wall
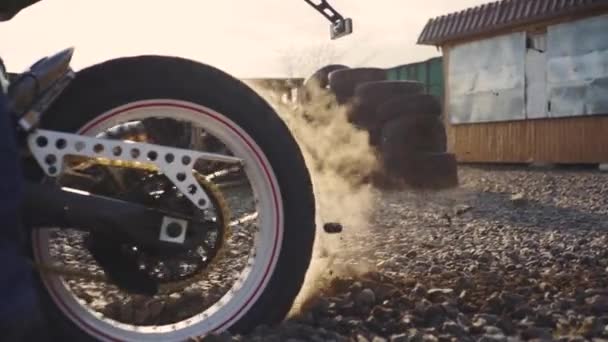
{"x": 578, "y": 140}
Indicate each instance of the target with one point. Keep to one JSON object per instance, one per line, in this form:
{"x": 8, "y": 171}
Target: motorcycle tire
{"x": 170, "y": 83}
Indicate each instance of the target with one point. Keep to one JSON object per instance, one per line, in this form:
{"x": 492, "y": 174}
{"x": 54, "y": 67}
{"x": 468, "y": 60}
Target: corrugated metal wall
{"x": 565, "y": 140}
{"x": 429, "y": 72}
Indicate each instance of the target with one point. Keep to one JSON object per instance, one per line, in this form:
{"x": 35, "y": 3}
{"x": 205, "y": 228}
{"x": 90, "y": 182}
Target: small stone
{"x": 435, "y": 269}
{"x": 111, "y": 310}
{"x": 464, "y": 283}
{"x": 478, "y": 325}
{"x": 492, "y": 338}
{"x": 415, "y": 335}
{"x": 421, "y": 306}
{"x": 506, "y": 325}
{"x": 421, "y": 266}
{"x": 450, "y": 310}
{"x": 487, "y": 318}
{"x": 356, "y": 287}
{"x": 587, "y": 260}
{"x": 494, "y": 304}
{"x": 598, "y": 304}
{"x": 383, "y": 313}
{"x": 446, "y": 292}
{"x": 511, "y": 300}
{"x": 522, "y": 311}
{"x": 332, "y": 227}
{"x": 366, "y": 298}
{"x": 453, "y": 328}
{"x": 399, "y": 338}
{"x": 468, "y": 308}
{"x": 411, "y": 254}
{"x": 485, "y": 257}
{"x": 361, "y": 338}
{"x": 384, "y": 292}
{"x": 518, "y": 199}
{"x": 461, "y": 209}
{"x": 463, "y": 320}
{"x": 439, "y": 295}
{"x": 419, "y": 290}
{"x": 344, "y": 302}
{"x": 492, "y": 330}
{"x": 536, "y": 333}
{"x": 543, "y": 287}
{"x": 434, "y": 315}
{"x": 429, "y": 338}
{"x": 378, "y": 339}
{"x": 407, "y": 321}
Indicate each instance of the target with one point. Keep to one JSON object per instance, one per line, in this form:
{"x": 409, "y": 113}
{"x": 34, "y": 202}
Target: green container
{"x": 429, "y": 72}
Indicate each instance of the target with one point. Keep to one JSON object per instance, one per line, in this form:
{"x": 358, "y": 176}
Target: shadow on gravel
{"x": 501, "y": 209}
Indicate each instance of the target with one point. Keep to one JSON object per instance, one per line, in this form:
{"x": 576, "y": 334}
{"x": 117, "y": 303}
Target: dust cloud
{"x": 340, "y": 161}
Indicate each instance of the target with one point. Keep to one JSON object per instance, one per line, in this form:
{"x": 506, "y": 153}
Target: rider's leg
{"x": 20, "y": 318}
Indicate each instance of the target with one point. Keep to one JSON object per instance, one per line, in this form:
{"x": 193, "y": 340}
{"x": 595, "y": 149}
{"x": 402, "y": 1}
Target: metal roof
{"x": 501, "y": 15}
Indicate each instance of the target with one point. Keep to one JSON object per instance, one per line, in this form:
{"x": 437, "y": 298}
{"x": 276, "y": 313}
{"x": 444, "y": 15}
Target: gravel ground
{"x": 513, "y": 254}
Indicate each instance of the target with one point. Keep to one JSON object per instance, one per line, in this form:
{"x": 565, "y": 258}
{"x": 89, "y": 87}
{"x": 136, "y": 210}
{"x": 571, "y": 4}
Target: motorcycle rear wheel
{"x": 125, "y": 88}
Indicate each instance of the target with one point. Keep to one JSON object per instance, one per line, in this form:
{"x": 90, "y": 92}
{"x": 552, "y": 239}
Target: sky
{"x": 247, "y": 38}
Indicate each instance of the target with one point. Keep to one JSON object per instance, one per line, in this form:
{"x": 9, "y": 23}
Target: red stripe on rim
{"x": 251, "y": 146}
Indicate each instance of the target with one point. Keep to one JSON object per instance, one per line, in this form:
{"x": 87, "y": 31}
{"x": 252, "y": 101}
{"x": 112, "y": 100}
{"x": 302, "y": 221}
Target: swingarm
{"x": 48, "y": 204}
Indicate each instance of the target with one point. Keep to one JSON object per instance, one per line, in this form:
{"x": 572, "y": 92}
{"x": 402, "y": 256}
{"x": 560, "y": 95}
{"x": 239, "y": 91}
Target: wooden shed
{"x": 525, "y": 80}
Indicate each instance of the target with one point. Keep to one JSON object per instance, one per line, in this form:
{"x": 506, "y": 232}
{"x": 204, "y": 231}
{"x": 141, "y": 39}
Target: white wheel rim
{"x": 267, "y": 239}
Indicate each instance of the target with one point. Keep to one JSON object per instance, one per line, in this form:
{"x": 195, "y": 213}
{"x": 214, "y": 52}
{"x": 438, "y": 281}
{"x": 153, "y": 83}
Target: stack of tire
{"x": 404, "y": 125}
